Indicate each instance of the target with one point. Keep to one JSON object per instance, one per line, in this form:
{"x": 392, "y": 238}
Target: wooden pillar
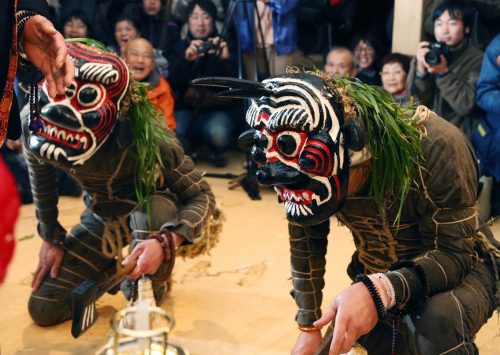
{"x": 408, "y": 25}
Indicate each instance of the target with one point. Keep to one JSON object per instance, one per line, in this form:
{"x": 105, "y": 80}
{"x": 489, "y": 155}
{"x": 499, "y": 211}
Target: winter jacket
{"x": 487, "y": 137}
{"x": 162, "y": 96}
{"x": 452, "y": 95}
{"x": 284, "y": 25}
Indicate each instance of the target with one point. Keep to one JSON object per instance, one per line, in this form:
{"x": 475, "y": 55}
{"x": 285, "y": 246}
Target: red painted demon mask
{"x": 73, "y": 126}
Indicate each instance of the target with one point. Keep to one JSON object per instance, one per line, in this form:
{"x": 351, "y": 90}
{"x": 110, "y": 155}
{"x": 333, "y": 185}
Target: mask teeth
{"x": 296, "y": 209}
{"x": 304, "y": 197}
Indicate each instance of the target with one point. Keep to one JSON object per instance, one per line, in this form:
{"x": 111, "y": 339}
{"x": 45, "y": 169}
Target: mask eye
{"x": 89, "y": 95}
{"x": 288, "y": 143}
{"x": 317, "y": 158}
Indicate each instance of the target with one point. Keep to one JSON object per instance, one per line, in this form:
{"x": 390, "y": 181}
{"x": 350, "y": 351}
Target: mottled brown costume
{"x": 439, "y": 229}
{"x": 183, "y": 202}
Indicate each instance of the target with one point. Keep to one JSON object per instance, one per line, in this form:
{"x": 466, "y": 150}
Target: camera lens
{"x": 432, "y": 58}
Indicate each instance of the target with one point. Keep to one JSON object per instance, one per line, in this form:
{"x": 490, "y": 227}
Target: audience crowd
{"x": 169, "y": 43}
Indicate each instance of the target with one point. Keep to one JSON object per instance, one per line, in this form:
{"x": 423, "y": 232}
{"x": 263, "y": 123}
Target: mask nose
{"x": 260, "y": 143}
{"x": 278, "y": 174}
{"x": 62, "y": 115}
{"x": 254, "y": 142}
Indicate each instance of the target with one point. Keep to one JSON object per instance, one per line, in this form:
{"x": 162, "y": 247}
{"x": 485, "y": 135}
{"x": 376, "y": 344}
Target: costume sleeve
{"x": 447, "y": 221}
{"x": 307, "y": 257}
{"x": 488, "y": 85}
{"x": 459, "y": 90}
{"x": 43, "y": 181}
{"x": 423, "y": 87}
{"x": 194, "y": 193}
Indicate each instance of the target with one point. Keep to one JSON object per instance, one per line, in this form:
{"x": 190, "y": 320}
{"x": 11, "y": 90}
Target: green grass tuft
{"x": 393, "y": 138}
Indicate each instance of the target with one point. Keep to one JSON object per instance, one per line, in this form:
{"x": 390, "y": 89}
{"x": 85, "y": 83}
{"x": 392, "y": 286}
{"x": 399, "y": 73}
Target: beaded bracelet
{"x": 307, "y": 328}
{"x": 385, "y": 289}
{"x": 422, "y": 275}
{"x": 381, "y": 311}
{"x": 166, "y": 241}
{"x": 22, "y": 17}
{"x": 424, "y": 280}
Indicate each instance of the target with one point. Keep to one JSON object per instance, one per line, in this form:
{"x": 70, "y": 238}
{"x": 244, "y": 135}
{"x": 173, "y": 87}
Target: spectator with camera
{"x": 201, "y": 117}
{"x": 444, "y": 73}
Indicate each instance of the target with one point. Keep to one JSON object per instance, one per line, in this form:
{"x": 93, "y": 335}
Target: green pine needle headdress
{"x": 393, "y": 136}
{"x": 148, "y": 130}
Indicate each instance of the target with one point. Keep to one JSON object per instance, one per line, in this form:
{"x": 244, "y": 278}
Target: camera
{"x": 436, "y": 49}
{"x": 205, "y": 47}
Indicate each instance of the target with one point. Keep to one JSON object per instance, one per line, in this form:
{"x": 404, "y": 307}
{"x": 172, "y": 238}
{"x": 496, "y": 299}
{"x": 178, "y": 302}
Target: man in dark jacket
{"x": 28, "y": 37}
{"x": 203, "y": 53}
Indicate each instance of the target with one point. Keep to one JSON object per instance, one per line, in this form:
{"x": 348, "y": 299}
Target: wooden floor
{"x": 235, "y": 301}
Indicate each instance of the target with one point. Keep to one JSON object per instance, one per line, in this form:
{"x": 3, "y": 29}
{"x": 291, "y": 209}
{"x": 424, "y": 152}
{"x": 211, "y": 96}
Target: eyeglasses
{"x": 366, "y": 49}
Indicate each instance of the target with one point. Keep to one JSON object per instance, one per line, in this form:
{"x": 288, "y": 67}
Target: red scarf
{"x": 8, "y": 94}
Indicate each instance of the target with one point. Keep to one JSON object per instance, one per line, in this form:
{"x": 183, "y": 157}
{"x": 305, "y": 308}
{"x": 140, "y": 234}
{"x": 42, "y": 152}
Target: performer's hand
{"x": 50, "y": 258}
{"x": 149, "y": 255}
{"x": 46, "y": 49}
{"x": 307, "y": 343}
{"x": 355, "y": 314}
{"x": 423, "y": 48}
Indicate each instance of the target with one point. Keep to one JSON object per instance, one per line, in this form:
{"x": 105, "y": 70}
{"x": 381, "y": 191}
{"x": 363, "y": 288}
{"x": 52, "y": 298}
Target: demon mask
{"x": 73, "y": 126}
{"x": 300, "y": 141}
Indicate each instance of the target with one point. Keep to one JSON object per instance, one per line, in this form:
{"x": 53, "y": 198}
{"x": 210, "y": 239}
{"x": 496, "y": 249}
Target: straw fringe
{"x": 210, "y": 236}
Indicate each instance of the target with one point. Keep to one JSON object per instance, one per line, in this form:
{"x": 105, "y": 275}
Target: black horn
{"x": 235, "y": 88}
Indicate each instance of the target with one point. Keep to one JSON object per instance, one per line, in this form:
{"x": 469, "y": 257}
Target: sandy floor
{"x": 235, "y": 301}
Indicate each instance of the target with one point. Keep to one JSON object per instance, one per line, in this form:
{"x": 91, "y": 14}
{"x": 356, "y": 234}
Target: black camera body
{"x": 436, "y": 49}
{"x": 204, "y": 47}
